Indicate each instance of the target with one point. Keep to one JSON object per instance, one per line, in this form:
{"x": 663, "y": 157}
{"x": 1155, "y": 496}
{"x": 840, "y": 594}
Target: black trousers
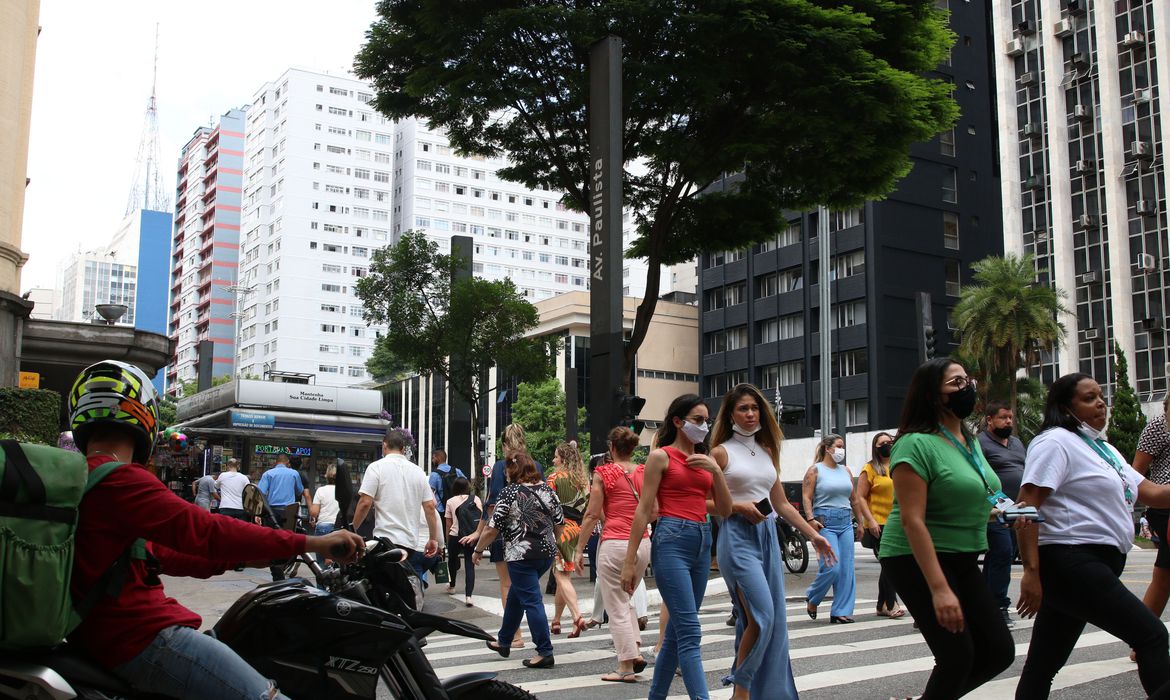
{"x": 455, "y": 552}
{"x": 887, "y": 594}
{"x": 963, "y": 661}
{"x": 1081, "y": 585}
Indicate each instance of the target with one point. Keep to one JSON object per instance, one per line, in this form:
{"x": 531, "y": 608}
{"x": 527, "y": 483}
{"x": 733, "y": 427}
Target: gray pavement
{"x": 874, "y": 658}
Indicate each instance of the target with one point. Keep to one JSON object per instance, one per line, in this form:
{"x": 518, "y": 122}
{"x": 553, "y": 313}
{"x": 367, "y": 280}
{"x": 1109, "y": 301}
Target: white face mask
{"x": 695, "y": 433}
{"x": 744, "y": 431}
{"x": 1091, "y": 432}
{"x": 839, "y": 455}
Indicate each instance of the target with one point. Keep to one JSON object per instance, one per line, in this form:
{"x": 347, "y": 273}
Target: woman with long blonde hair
{"x": 746, "y": 446}
{"x": 570, "y": 482}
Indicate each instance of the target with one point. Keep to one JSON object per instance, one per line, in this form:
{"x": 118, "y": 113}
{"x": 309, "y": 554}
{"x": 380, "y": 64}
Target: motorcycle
{"x": 793, "y": 547}
{"x": 343, "y": 640}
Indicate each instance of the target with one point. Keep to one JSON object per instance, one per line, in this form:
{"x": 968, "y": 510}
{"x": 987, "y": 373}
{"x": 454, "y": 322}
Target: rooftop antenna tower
{"x": 146, "y": 190}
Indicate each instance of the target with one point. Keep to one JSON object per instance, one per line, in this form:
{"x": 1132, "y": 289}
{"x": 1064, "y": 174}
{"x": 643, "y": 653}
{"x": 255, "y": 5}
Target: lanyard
{"x": 969, "y": 453}
{"x": 1111, "y": 461}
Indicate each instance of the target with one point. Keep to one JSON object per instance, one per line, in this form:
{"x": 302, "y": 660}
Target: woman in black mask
{"x": 875, "y": 500}
{"x": 937, "y": 529}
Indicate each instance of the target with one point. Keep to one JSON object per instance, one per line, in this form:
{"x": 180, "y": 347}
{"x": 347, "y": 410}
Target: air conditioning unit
{"x": 1064, "y": 27}
{"x": 1083, "y": 166}
{"x": 1090, "y": 277}
{"x": 1086, "y": 221}
{"x": 1040, "y": 235}
{"x": 1031, "y": 130}
{"x": 1141, "y": 149}
{"x": 1147, "y": 263}
{"x": 1079, "y": 60}
{"x": 1015, "y": 47}
{"x": 1082, "y": 112}
{"x": 1151, "y": 324}
{"x": 1134, "y": 38}
{"x": 1075, "y": 7}
{"x": 1032, "y": 182}
{"x": 1146, "y": 207}
{"x": 1026, "y": 28}
{"x": 1027, "y": 78}
{"x": 1143, "y": 96}
{"x": 1092, "y": 333}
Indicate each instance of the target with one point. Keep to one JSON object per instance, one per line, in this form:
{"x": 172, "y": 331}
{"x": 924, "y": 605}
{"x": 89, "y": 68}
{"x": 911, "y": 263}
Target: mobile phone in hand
{"x": 701, "y": 448}
{"x": 764, "y": 505}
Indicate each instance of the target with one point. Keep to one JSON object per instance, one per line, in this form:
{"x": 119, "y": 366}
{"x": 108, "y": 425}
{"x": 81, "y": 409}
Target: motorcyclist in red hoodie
{"x": 149, "y": 640}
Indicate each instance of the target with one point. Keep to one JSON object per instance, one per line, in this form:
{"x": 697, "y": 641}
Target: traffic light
{"x": 629, "y": 406}
{"x": 928, "y": 341}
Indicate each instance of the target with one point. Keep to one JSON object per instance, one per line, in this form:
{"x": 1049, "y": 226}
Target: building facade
{"x": 92, "y": 278}
{"x": 760, "y": 309}
{"x": 1082, "y": 130}
{"x": 205, "y": 249}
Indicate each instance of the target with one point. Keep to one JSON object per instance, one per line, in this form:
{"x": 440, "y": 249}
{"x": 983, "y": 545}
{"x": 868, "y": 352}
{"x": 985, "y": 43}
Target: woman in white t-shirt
{"x": 230, "y": 485}
{"x": 323, "y": 511}
{"x": 1085, "y": 491}
{"x": 461, "y": 488}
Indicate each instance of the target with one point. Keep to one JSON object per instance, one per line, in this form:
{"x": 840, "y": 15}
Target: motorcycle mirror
{"x": 254, "y": 501}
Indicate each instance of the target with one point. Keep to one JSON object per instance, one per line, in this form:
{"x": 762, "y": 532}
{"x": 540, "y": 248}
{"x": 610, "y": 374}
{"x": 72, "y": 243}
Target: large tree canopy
{"x": 815, "y": 101}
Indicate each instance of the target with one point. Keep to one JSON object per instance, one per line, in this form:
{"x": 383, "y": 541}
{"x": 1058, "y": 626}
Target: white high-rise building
{"x": 1082, "y": 133}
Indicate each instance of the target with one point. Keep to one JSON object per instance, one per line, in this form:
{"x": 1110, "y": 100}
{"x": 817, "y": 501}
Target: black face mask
{"x": 962, "y": 402}
{"x": 1002, "y": 433}
{"x": 885, "y": 450}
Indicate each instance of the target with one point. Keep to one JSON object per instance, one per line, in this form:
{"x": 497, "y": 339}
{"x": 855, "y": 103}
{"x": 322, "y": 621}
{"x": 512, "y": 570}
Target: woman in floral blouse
{"x": 529, "y": 516}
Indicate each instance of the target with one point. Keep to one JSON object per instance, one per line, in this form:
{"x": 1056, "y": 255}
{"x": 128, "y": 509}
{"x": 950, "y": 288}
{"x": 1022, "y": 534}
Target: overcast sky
{"x": 93, "y": 76}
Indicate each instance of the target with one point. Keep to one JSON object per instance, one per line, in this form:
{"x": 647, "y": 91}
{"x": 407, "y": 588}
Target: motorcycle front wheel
{"x": 796, "y": 552}
{"x": 496, "y": 690}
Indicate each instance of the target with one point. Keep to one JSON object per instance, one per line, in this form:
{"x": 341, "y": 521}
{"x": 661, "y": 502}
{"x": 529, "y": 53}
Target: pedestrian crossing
{"x": 874, "y": 657}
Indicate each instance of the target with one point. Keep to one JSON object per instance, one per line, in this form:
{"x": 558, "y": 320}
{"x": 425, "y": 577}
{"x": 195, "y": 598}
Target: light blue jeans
{"x": 749, "y": 559}
{"x": 321, "y": 530}
{"x": 841, "y": 576}
{"x": 681, "y": 555}
{"x": 182, "y": 663}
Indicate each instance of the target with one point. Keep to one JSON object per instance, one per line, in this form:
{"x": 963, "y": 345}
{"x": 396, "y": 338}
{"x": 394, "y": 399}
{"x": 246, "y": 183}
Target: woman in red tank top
{"x": 680, "y": 478}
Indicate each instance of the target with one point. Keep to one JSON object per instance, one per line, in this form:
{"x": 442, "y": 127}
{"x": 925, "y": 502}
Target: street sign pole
{"x": 606, "y": 348}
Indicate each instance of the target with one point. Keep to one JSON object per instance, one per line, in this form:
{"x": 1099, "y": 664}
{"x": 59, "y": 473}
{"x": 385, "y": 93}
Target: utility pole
{"x": 826, "y": 326}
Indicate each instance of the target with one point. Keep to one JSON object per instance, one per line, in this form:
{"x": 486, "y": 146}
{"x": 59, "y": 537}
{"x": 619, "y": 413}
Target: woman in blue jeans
{"x": 746, "y": 444}
{"x": 680, "y": 478}
{"x": 530, "y": 518}
{"x": 828, "y": 506}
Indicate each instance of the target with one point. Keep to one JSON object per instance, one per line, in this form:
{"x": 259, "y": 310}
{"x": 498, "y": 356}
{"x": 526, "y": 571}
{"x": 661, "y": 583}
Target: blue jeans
{"x": 321, "y": 530}
{"x": 421, "y": 564}
{"x": 681, "y": 555}
{"x": 749, "y": 559}
{"x": 997, "y": 563}
{"x": 525, "y": 599}
{"x": 838, "y": 531}
{"x": 182, "y": 663}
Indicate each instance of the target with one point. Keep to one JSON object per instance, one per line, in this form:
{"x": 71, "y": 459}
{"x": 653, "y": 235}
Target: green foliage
{"x": 167, "y": 408}
{"x": 453, "y": 328}
{"x": 190, "y": 387}
{"x": 814, "y": 102}
{"x": 1029, "y": 414}
{"x": 1006, "y": 318}
{"x": 1126, "y": 419}
{"x": 30, "y": 415}
{"x": 540, "y": 408}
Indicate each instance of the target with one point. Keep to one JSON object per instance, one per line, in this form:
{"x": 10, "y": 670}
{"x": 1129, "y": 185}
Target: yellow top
{"x": 881, "y": 493}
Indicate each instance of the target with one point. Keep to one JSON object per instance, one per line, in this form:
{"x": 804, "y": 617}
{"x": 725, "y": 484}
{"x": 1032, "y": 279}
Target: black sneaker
{"x": 1007, "y": 617}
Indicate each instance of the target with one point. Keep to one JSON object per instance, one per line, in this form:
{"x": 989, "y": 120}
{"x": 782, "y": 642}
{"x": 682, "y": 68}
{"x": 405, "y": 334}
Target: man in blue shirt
{"x": 442, "y": 476}
{"x": 283, "y": 488}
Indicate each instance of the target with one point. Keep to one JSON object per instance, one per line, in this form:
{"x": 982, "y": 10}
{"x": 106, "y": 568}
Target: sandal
{"x": 895, "y": 613}
{"x": 842, "y": 619}
{"x": 810, "y": 609}
{"x": 593, "y": 624}
{"x": 621, "y": 677}
{"x": 555, "y": 627}
{"x": 578, "y": 627}
{"x": 639, "y": 664}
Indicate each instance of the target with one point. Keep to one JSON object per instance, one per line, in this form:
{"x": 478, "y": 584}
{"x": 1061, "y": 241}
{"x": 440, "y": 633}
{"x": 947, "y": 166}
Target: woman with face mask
{"x": 1085, "y": 491}
{"x": 937, "y": 529}
{"x": 746, "y": 444}
{"x": 680, "y": 477}
{"x": 828, "y": 497}
{"x": 875, "y": 500}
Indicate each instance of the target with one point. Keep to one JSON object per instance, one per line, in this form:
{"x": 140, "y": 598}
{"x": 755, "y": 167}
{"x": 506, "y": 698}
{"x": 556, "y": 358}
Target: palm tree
{"x": 1007, "y": 317}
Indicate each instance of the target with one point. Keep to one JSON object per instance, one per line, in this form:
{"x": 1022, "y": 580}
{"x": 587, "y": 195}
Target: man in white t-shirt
{"x": 395, "y": 488}
{"x": 231, "y": 485}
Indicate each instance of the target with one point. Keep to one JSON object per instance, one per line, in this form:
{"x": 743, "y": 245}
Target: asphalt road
{"x": 874, "y": 658}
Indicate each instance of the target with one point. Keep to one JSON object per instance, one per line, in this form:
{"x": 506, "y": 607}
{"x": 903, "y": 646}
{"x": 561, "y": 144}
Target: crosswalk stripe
{"x": 1070, "y": 676}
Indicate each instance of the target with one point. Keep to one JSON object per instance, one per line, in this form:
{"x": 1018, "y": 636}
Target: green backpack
{"x": 40, "y": 491}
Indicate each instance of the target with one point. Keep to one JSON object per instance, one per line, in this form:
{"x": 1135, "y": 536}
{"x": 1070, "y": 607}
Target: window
{"x": 361, "y": 173}
{"x": 856, "y": 412}
{"x": 331, "y": 308}
{"x": 848, "y": 264}
{"x": 331, "y": 288}
{"x": 783, "y": 374}
{"x": 338, "y": 91}
{"x": 849, "y": 313}
{"x": 950, "y": 185}
{"x": 946, "y": 142}
{"x": 952, "y": 283}
{"x": 334, "y": 349}
{"x": 848, "y": 218}
{"x": 332, "y": 268}
{"x": 950, "y": 230}
{"x": 725, "y": 340}
{"x": 790, "y": 235}
{"x": 725, "y": 296}
{"x": 791, "y": 279}
{"x": 720, "y": 384}
{"x": 328, "y": 328}
{"x": 767, "y": 286}
{"x": 849, "y": 363}
{"x": 327, "y": 369}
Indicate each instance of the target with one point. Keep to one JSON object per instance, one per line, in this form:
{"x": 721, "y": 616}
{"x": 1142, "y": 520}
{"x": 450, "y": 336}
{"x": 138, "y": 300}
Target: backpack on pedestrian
{"x": 41, "y": 489}
{"x": 447, "y": 483}
{"x": 468, "y": 515}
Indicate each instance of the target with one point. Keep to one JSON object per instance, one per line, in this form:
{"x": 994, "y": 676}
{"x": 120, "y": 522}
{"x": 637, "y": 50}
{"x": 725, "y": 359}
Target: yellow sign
{"x": 30, "y": 380}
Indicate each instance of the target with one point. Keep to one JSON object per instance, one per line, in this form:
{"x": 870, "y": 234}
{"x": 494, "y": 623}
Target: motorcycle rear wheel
{"x": 796, "y": 552}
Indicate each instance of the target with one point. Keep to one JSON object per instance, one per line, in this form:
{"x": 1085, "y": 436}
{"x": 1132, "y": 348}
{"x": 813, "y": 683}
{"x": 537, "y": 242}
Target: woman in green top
{"x": 937, "y": 529}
